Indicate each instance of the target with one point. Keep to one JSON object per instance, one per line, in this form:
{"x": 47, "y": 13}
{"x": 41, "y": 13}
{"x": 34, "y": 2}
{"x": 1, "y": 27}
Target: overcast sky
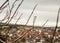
{"x": 46, "y": 9}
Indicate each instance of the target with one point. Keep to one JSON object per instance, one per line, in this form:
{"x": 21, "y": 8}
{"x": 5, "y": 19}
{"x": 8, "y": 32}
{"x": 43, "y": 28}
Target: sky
{"x": 45, "y": 10}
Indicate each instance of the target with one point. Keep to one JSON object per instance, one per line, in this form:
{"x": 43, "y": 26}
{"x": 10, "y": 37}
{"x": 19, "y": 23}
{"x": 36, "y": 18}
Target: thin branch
{"x": 18, "y": 18}
{"x": 56, "y": 25}
{"x": 12, "y": 6}
{"x": 4, "y": 17}
{"x": 7, "y": 5}
{"x": 31, "y": 14}
{"x": 3, "y": 8}
{"x": 3, "y": 4}
{"x": 15, "y": 11}
{"x": 44, "y": 23}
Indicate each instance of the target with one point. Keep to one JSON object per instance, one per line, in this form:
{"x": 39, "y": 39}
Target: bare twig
{"x": 12, "y": 6}
{"x": 15, "y": 12}
{"x": 44, "y": 24}
{"x": 31, "y": 14}
{"x": 8, "y": 4}
{"x": 3, "y": 4}
{"x": 4, "y": 17}
{"x": 18, "y": 18}
{"x": 56, "y": 26}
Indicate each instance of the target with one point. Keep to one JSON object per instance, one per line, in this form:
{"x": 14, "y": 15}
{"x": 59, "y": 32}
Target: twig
{"x": 4, "y": 4}
{"x": 56, "y": 26}
{"x": 31, "y": 14}
{"x": 18, "y": 18}
{"x": 15, "y": 11}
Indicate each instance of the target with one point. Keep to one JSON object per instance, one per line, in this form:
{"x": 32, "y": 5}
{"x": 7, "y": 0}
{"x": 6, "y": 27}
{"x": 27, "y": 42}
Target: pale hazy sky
{"x": 46, "y": 9}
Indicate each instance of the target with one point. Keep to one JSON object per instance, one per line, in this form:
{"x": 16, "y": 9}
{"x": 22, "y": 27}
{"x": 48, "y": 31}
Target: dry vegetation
{"x": 14, "y": 33}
